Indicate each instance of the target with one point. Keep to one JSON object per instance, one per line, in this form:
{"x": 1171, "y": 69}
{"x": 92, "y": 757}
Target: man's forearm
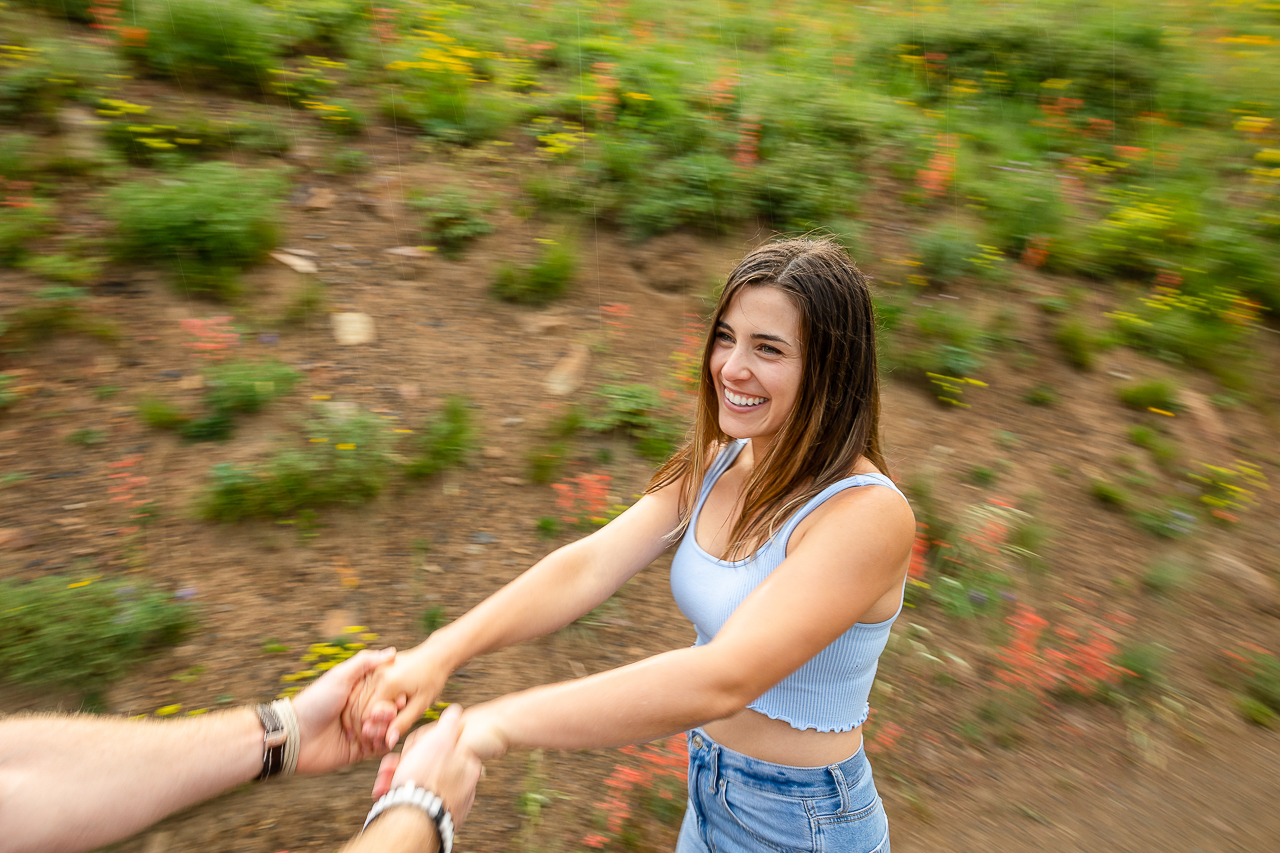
{"x": 400, "y": 829}
{"x": 73, "y": 783}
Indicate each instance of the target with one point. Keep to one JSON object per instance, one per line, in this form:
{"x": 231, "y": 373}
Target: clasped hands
{"x": 434, "y": 757}
{"x": 390, "y": 698}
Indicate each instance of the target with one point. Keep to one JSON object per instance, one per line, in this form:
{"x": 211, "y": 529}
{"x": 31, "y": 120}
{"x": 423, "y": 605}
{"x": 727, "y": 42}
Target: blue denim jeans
{"x": 739, "y": 804}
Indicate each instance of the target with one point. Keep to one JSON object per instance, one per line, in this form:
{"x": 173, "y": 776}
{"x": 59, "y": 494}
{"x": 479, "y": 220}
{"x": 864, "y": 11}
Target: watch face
{"x": 276, "y": 738}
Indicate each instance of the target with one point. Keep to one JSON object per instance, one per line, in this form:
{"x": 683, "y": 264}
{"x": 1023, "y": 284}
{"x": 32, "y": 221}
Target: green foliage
{"x": 64, "y": 268}
{"x": 433, "y": 619}
{"x": 1078, "y": 343}
{"x": 1041, "y": 394}
{"x": 35, "y": 79}
{"x": 7, "y": 395}
{"x": 17, "y": 155}
{"x": 56, "y": 309}
{"x": 544, "y": 281}
{"x": 946, "y": 251}
{"x": 982, "y": 475}
{"x": 343, "y": 462}
{"x": 1162, "y": 450}
{"x": 160, "y": 414}
{"x": 1262, "y": 679}
{"x": 86, "y": 437}
{"x": 348, "y": 161}
{"x": 83, "y": 635}
{"x": 244, "y": 387}
{"x": 1159, "y": 394}
{"x": 1166, "y": 576}
{"x": 1210, "y": 330}
{"x": 206, "y": 220}
{"x": 452, "y": 219}
{"x": 1142, "y": 666}
{"x": 1021, "y": 207}
{"x": 548, "y": 527}
{"x": 1109, "y": 494}
{"x": 231, "y": 42}
{"x": 545, "y": 462}
{"x": 446, "y": 440}
{"x": 21, "y": 225}
{"x": 637, "y": 410}
{"x": 333, "y": 26}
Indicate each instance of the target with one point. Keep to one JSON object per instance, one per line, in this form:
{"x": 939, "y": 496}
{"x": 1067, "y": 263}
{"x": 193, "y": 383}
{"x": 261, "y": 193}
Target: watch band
{"x": 410, "y": 794}
{"x": 274, "y": 736}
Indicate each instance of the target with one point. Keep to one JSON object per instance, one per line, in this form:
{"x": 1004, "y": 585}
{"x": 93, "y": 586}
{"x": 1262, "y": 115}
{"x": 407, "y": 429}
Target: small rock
{"x": 171, "y": 374}
{"x": 409, "y": 391}
{"x": 302, "y": 253}
{"x": 546, "y": 323}
{"x": 70, "y": 507}
{"x": 321, "y": 198}
{"x": 14, "y": 539}
{"x": 409, "y": 252}
{"x": 511, "y": 481}
{"x": 636, "y": 651}
{"x": 296, "y": 263}
{"x": 431, "y": 567}
{"x": 493, "y": 452}
{"x": 342, "y": 247}
{"x": 1204, "y": 415}
{"x": 474, "y": 549}
{"x": 1261, "y": 590}
{"x": 314, "y": 236}
{"x": 510, "y": 422}
{"x": 191, "y": 383}
{"x": 353, "y": 328}
{"x": 578, "y": 670}
{"x": 567, "y": 375}
{"x": 335, "y": 621}
{"x": 483, "y": 538}
{"x": 270, "y": 339}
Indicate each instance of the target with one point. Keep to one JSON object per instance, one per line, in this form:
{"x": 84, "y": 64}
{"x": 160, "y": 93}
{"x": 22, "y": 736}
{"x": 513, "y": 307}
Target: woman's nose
{"x": 736, "y": 366}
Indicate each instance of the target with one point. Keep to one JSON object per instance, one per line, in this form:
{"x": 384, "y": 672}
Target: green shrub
{"x": 64, "y": 268}
{"x": 446, "y": 440}
{"x": 347, "y": 161}
{"x": 545, "y": 462}
{"x": 1262, "y": 679}
{"x": 1159, "y": 394}
{"x": 344, "y": 462}
{"x": 433, "y": 619}
{"x": 945, "y": 251}
{"x": 1210, "y": 330}
{"x": 544, "y": 281}
{"x": 1078, "y": 343}
{"x": 160, "y": 414}
{"x": 232, "y": 388}
{"x": 17, "y": 155}
{"x": 1142, "y": 665}
{"x": 83, "y": 635}
{"x": 19, "y": 226}
{"x": 1162, "y": 450}
{"x": 35, "y": 79}
{"x": 7, "y": 395}
{"x": 1041, "y": 395}
{"x": 57, "y": 309}
{"x": 207, "y": 220}
{"x": 638, "y": 411}
{"x": 445, "y": 104}
{"x": 1021, "y": 207}
{"x": 1109, "y": 494}
{"x": 1166, "y": 576}
{"x": 199, "y": 43}
{"x": 452, "y": 220}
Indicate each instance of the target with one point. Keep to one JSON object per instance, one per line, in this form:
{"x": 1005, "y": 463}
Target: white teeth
{"x": 743, "y": 401}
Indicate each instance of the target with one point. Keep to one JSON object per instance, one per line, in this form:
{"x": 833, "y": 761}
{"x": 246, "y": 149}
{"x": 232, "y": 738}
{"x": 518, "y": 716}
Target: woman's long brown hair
{"x": 836, "y": 416}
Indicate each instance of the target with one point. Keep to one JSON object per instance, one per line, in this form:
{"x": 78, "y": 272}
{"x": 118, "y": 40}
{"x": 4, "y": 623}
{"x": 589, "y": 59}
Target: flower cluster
{"x": 584, "y": 499}
{"x": 125, "y": 491}
{"x": 1080, "y": 662}
{"x": 213, "y": 337}
{"x": 936, "y": 177}
{"x": 656, "y": 764}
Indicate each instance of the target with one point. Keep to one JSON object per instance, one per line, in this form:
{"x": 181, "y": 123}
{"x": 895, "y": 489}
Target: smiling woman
{"x": 790, "y": 572}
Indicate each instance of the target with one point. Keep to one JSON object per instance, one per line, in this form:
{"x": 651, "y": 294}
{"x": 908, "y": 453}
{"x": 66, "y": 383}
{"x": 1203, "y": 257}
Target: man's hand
{"x": 324, "y": 745}
{"x": 434, "y": 759}
{"x": 393, "y": 699}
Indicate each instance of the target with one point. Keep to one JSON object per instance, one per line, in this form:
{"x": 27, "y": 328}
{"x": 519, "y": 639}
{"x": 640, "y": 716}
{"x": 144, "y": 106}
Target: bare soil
{"x": 1178, "y": 770}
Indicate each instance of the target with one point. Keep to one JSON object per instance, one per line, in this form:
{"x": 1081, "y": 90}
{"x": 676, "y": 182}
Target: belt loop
{"x": 713, "y": 764}
{"x": 837, "y": 775}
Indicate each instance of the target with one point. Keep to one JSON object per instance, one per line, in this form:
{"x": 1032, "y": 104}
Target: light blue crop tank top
{"x": 829, "y": 692}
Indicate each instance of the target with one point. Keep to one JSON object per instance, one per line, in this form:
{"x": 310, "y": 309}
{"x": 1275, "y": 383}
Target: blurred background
{"x": 322, "y": 319}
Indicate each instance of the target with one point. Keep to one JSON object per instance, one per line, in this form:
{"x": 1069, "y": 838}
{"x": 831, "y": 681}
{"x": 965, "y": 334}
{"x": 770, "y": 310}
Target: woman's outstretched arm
{"x": 849, "y": 559}
{"x": 561, "y": 587}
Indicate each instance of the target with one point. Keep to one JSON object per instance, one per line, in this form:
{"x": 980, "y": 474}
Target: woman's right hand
{"x": 394, "y": 697}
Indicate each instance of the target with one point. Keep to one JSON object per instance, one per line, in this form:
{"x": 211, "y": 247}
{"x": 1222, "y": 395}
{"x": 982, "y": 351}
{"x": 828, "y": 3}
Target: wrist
{"x": 408, "y": 824}
{"x": 443, "y": 649}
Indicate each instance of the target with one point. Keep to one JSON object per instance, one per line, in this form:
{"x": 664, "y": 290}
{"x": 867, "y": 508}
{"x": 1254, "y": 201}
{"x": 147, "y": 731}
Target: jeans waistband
{"x": 830, "y": 780}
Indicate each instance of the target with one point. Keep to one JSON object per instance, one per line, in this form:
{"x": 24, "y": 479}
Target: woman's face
{"x": 756, "y": 363}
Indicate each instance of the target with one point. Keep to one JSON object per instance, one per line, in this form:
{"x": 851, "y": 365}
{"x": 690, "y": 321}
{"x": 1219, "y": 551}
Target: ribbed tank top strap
{"x": 721, "y": 464}
{"x": 821, "y": 497}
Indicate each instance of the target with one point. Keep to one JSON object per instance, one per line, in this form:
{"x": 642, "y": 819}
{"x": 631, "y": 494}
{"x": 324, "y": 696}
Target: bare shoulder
{"x": 862, "y": 515}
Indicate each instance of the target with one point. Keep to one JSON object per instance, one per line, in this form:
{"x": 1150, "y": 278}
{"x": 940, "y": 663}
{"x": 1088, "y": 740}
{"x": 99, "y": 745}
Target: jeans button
{"x": 697, "y": 741}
